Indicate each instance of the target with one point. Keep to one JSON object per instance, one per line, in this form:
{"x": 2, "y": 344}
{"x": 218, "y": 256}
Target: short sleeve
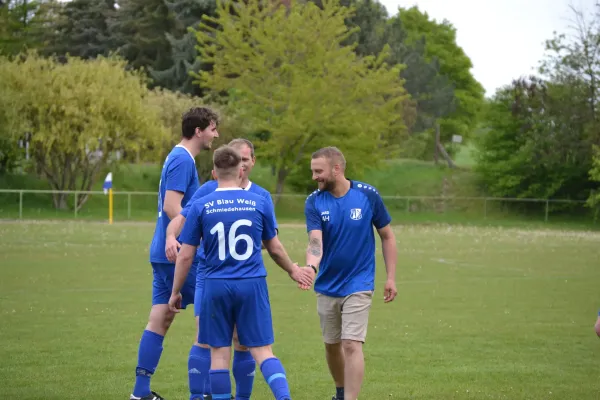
{"x": 271, "y": 206}
{"x": 204, "y": 190}
{"x": 192, "y": 229}
{"x": 381, "y": 217}
{"x": 179, "y": 174}
{"x": 269, "y": 223}
{"x": 313, "y": 222}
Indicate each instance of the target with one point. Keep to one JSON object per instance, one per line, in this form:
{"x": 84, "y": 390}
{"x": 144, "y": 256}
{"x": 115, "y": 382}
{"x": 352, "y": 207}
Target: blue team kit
{"x": 230, "y": 225}
{"x": 204, "y": 190}
{"x": 348, "y": 266}
{"x": 178, "y": 174}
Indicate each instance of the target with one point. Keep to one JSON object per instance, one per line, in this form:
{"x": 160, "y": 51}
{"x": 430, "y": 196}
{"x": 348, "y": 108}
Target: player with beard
{"x": 340, "y": 217}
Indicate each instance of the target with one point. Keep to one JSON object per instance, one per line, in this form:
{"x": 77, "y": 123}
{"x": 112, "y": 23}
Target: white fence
{"x": 125, "y": 202}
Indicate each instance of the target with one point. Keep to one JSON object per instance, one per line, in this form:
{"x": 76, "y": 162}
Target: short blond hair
{"x": 333, "y": 154}
{"x": 239, "y": 142}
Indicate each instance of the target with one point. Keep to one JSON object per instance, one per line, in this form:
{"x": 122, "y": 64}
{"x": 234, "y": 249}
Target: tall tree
{"x": 288, "y": 74}
{"x": 83, "y": 29}
{"x": 184, "y": 56}
{"x": 370, "y": 17}
{"x": 576, "y": 56}
{"x": 18, "y": 26}
{"x": 454, "y": 65}
{"x": 432, "y": 93}
{"x": 138, "y": 31}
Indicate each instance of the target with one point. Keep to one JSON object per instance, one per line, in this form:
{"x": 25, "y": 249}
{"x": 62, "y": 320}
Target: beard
{"x": 326, "y": 186}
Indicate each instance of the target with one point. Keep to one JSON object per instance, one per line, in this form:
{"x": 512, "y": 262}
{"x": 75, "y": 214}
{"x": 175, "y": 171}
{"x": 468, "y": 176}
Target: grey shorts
{"x": 344, "y": 318}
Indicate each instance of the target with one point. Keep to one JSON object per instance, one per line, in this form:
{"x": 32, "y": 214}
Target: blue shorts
{"x": 162, "y": 286}
{"x": 199, "y": 291}
{"x": 230, "y": 302}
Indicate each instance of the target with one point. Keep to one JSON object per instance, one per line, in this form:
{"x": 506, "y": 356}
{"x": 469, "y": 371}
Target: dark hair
{"x": 333, "y": 154}
{"x": 242, "y": 142}
{"x": 225, "y": 161}
{"x": 197, "y": 117}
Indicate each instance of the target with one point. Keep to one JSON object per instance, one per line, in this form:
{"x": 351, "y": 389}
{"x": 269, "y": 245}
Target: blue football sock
{"x": 205, "y": 369}
{"x": 148, "y": 357}
{"x": 243, "y": 371}
{"x": 274, "y": 374}
{"x": 220, "y": 384}
{"x": 198, "y": 367}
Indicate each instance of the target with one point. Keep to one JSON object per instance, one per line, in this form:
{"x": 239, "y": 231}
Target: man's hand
{"x": 311, "y": 274}
{"x": 303, "y": 276}
{"x": 172, "y": 247}
{"x": 175, "y": 302}
{"x": 389, "y": 291}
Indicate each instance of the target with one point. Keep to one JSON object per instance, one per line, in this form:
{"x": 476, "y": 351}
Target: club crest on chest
{"x": 355, "y": 214}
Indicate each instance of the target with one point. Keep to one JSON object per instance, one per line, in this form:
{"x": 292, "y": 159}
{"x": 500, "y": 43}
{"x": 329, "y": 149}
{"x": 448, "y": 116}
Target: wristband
{"x": 313, "y": 267}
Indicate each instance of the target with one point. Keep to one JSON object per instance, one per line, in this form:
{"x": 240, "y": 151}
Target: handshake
{"x": 304, "y": 276}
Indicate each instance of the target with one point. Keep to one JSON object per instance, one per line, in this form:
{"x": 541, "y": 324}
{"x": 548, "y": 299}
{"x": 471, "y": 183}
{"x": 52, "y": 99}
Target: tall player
{"x": 199, "y": 357}
{"x": 232, "y": 223}
{"x": 340, "y": 217}
{"x": 178, "y": 183}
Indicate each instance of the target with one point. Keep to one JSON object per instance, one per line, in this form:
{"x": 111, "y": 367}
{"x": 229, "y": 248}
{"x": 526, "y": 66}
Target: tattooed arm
{"x": 314, "y": 252}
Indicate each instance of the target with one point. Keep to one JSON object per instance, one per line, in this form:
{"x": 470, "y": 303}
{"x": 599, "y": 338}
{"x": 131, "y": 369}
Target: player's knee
{"x": 597, "y": 327}
{"x": 351, "y": 346}
{"x": 160, "y": 319}
{"x": 260, "y": 354}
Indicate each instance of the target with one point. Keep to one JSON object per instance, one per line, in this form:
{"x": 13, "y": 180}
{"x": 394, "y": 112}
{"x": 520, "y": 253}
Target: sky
{"x": 504, "y": 38}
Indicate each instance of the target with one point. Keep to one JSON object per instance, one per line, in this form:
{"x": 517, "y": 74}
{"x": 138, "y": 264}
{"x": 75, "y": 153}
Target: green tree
{"x": 23, "y": 24}
{"x": 370, "y": 17}
{"x": 87, "y": 111}
{"x": 287, "y": 73}
{"x": 138, "y": 33}
{"x": 454, "y": 65}
{"x": 432, "y": 92}
{"x": 534, "y": 147}
{"x": 82, "y": 29}
{"x": 184, "y": 56}
{"x": 575, "y": 56}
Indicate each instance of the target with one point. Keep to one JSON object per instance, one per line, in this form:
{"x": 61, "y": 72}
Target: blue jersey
{"x": 178, "y": 174}
{"x": 231, "y": 223}
{"x": 348, "y": 262}
{"x": 209, "y": 187}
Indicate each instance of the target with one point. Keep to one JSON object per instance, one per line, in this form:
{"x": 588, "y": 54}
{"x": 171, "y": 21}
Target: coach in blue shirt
{"x": 340, "y": 217}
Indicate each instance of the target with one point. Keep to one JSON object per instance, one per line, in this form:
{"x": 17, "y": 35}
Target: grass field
{"x": 482, "y": 313}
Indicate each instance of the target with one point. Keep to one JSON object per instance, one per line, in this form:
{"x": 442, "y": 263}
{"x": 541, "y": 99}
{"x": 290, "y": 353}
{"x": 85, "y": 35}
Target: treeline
{"x": 293, "y": 76}
{"x": 542, "y": 132}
